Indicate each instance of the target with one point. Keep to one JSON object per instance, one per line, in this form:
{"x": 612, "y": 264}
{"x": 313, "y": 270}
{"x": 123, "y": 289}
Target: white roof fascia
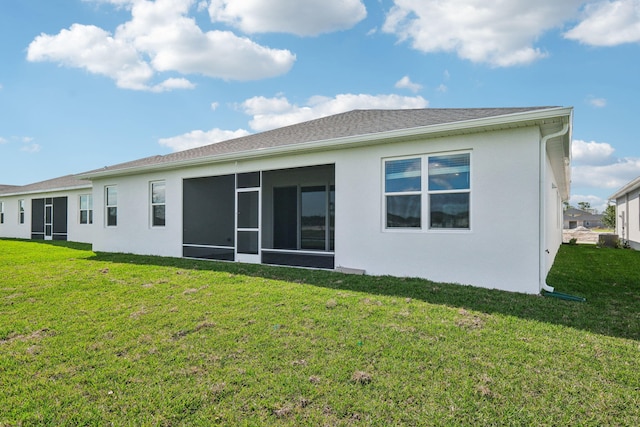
{"x": 48, "y": 190}
{"x": 496, "y": 122}
{"x": 631, "y": 186}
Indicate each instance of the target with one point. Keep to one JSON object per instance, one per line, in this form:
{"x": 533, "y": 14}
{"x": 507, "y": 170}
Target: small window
{"x": 1, "y": 212}
{"x": 403, "y": 198}
{"x": 21, "y": 211}
{"x": 86, "y": 209}
{"x": 111, "y": 205}
{"x": 158, "y": 211}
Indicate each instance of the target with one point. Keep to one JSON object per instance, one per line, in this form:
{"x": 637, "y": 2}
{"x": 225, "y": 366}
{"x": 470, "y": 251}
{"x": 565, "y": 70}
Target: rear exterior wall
{"x": 499, "y": 250}
{"x": 12, "y": 228}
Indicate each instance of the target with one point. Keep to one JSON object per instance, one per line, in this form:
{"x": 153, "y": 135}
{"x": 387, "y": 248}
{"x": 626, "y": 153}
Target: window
{"x": 1, "y": 212}
{"x": 403, "y": 185}
{"x": 158, "y": 204}
{"x": 86, "y": 209}
{"x": 449, "y": 190}
{"x": 438, "y": 196}
{"x": 21, "y": 211}
{"x": 111, "y": 196}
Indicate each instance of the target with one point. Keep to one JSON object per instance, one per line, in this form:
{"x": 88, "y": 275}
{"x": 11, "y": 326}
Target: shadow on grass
{"x": 612, "y": 308}
{"x": 64, "y": 244}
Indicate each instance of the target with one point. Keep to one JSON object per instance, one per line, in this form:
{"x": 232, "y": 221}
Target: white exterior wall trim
{"x": 633, "y": 185}
{"x": 529, "y": 118}
{"x": 89, "y": 186}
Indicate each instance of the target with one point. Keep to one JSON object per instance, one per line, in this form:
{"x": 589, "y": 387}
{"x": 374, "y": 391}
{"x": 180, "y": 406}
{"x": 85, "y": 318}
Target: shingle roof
{"x": 579, "y": 214}
{"x": 352, "y": 123}
{"x": 63, "y": 182}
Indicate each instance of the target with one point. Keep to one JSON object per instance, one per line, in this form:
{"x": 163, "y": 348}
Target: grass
{"x": 96, "y": 338}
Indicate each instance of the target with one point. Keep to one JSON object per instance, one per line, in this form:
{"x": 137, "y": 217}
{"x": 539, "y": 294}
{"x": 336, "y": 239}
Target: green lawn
{"x": 96, "y": 339}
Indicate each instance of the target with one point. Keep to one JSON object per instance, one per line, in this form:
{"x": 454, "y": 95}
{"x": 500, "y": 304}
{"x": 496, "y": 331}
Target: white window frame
{"x": 153, "y": 204}
{"x": 387, "y": 194}
{"x": 108, "y": 206}
{"x": 425, "y": 193}
{"x": 88, "y": 210}
{"x": 1, "y": 212}
{"x": 21, "y": 211}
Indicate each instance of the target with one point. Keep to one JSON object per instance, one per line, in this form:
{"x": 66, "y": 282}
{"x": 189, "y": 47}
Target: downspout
{"x": 543, "y": 204}
{"x": 625, "y": 220}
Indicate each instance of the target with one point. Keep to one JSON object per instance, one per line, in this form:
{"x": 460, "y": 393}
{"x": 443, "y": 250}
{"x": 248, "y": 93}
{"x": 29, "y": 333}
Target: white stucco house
{"x": 627, "y": 201}
{"x": 55, "y": 209}
{"x": 426, "y": 193}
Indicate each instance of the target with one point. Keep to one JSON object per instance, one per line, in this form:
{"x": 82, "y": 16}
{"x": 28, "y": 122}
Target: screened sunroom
{"x": 283, "y": 217}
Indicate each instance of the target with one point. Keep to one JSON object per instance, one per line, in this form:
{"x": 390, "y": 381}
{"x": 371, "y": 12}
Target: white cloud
{"x": 596, "y": 202}
{"x": 591, "y": 153}
{"x": 31, "y": 148}
{"x": 608, "y": 23}
{"x": 406, "y": 83}
{"x": 259, "y": 105}
{"x": 94, "y": 49}
{"x": 594, "y": 165}
{"x": 596, "y": 102}
{"x": 611, "y": 176}
{"x": 173, "y": 83}
{"x": 271, "y": 113}
{"x": 3, "y": 140}
{"x": 160, "y": 37}
{"x": 198, "y": 138}
{"x": 303, "y": 18}
{"x": 442, "y": 88}
{"x": 500, "y": 33}
{"x": 215, "y": 105}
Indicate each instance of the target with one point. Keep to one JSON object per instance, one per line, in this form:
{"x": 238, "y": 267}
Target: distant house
{"x": 627, "y": 201}
{"x": 56, "y": 209}
{"x": 424, "y": 193}
{"x": 574, "y": 218}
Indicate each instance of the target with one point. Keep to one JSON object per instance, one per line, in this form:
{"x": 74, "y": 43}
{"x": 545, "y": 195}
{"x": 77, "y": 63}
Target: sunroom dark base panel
{"x": 298, "y": 260}
{"x": 208, "y": 253}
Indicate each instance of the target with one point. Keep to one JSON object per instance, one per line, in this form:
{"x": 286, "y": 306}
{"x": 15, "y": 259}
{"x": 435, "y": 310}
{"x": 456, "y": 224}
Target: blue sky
{"x": 89, "y": 83}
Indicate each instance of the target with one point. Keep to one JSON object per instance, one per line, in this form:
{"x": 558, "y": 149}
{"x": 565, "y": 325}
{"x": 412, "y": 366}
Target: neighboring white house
{"x": 56, "y": 209}
{"x": 427, "y": 193}
{"x": 627, "y": 201}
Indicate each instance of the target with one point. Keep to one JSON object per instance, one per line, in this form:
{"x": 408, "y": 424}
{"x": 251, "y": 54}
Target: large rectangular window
{"x": 21, "y": 211}
{"x": 86, "y": 209}
{"x": 428, "y": 192}
{"x": 111, "y": 205}
{"x": 158, "y": 211}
